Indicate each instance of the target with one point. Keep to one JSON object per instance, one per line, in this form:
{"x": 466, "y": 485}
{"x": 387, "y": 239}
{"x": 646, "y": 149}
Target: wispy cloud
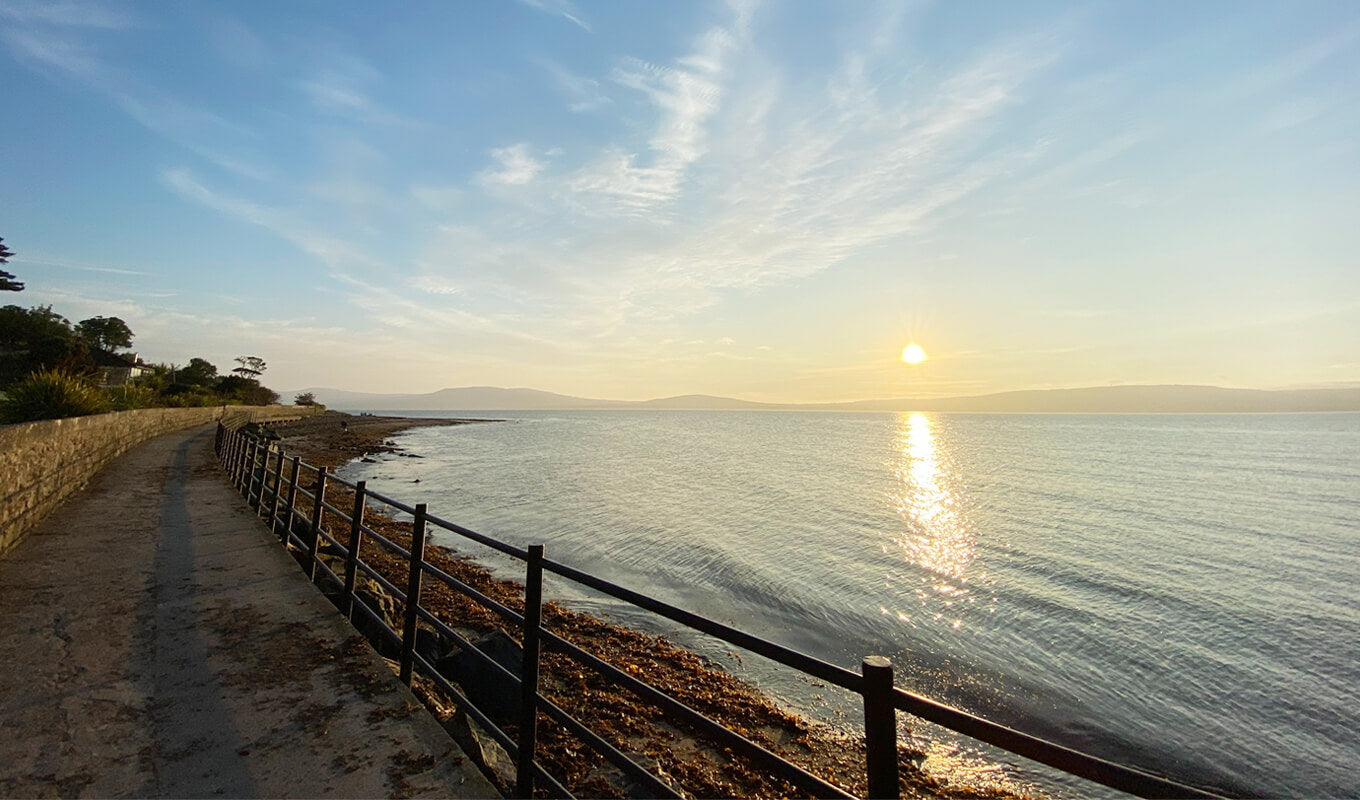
{"x": 584, "y": 94}
{"x": 561, "y": 8}
{"x": 515, "y": 166}
{"x": 685, "y": 95}
{"x": 208, "y": 135}
{"x": 67, "y": 14}
{"x": 334, "y": 251}
{"x": 43, "y": 261}
{"x": 742, "y": 185}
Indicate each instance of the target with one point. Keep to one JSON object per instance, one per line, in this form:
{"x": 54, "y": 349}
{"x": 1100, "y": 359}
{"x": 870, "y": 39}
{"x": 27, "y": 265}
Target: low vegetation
{"x": 50, "y": 394}
{"x": 51, "y": 368}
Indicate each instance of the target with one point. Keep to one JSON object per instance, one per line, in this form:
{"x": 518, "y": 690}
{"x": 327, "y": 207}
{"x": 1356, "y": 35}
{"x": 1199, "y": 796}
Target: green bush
{"x": 126, "y": 398}
{"x": 51, "y": 394}
{"x": 194, "y": 398}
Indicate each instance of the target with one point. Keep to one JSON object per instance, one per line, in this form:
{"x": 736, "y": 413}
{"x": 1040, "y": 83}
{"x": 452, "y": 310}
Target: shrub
{"x": 51, "y": 394}
{"x": 126, "y": 398}
{"x": 194, "y": 398}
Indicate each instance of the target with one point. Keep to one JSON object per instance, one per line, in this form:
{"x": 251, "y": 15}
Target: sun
{"x": 913, "y": 354}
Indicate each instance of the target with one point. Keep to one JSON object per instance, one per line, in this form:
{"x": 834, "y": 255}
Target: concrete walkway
{"x": 155, "y": 641}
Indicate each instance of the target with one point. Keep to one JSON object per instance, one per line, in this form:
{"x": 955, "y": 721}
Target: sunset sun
{"x": 913, "y": 354}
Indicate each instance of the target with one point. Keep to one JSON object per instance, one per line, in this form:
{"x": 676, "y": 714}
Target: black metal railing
{"x": 272, "y": 483}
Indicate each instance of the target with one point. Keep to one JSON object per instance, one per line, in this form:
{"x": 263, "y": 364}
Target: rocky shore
{"x": 688, "y": 762}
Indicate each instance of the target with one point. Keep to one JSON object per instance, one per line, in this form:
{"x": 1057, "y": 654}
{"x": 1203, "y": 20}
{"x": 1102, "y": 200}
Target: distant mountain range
{"x": 1093, "y": 400}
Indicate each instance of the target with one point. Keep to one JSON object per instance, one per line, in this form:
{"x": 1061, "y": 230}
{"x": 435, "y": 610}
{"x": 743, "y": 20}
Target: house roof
{"x": 103, "y": 358}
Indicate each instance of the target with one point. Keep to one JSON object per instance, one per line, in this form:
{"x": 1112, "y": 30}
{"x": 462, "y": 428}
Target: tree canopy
{"x": 199, "y": 373}
{"x": 251, "y": 367}
{"x": 7, "y": 281}
{"x": 38, "y": 338}
{"x": 106, "y": 333}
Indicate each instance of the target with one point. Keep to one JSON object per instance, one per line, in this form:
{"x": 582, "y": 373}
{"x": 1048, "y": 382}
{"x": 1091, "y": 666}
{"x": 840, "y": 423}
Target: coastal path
{"x": 155, "y": 641}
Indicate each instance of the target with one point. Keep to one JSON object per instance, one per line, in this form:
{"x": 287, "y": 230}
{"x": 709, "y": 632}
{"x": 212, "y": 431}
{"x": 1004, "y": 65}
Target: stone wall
{"x": 41, "y": 463}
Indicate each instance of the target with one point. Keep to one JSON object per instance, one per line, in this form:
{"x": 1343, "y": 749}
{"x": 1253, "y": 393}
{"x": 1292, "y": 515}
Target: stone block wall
{"x": 42, "y": 463}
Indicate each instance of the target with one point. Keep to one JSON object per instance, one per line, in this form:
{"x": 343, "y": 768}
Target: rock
{"x": 371, "y": 594}
{"x": 431, "y": 646}
{"x": 484, "y": 751}
{"x": 488, "y": 688}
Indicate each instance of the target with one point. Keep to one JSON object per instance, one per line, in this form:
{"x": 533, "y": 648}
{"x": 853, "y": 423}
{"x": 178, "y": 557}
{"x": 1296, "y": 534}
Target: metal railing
{"x": 272, "y": 483}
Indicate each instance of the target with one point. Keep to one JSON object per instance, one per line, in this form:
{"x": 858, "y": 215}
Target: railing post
{"x": 251, "y": 496}
{"x": 241, "y": 462}
{"x": 264, "y": 478}
{"x": 229, "y": 456}
{"x": 318, "y": 509}
{"x": 274, "y": 494}
{"x": 528, "y": 686}
{"x": 238, "y": 458}
{"x": 408, "y": 630}
{"x": 880, "y": 728}
{"x": 292, "y": 501}
{"x": 356, "y": 540}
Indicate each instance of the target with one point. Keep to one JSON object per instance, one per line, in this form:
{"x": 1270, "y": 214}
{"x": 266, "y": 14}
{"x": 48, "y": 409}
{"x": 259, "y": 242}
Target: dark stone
{"x": 431, "y": 646}
{"x": 488, "y": 688}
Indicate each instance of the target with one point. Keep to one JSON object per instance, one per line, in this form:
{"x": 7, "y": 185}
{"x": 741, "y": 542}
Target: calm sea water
{"x": 1173, "y": 591}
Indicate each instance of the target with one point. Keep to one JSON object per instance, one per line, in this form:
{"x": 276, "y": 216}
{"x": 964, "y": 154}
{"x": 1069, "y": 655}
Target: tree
{"x": 251, "y": 367}
{"x": 38, "y": 338}
{"x": 7, "y": 281}
{"x": 305, "y": 399}
{"x": 245, "y": 390}
{"x": 199, "y": 373}
{"x": 106, "y": 333}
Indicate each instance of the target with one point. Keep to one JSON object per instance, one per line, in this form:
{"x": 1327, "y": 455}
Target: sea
{"x": 1173, "y": 592}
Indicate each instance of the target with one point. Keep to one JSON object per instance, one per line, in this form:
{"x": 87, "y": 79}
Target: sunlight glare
{"x": 937, "y": 535}
{"x": 913, "y": 354}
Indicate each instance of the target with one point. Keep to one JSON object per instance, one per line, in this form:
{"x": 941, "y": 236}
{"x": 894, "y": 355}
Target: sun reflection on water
{"x": 937, "y": 536}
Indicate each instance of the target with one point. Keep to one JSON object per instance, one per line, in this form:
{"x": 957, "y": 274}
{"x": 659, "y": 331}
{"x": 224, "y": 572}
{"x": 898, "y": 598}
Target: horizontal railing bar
{"x": 336, "y": 579}
{"x": 321, "y": 532}
{"x": 781, "y": 767}
{"x": 382, "y": 581}
{"x": 494, "y": 544}
{"x": 485, "y": 659}
{"x": 388, "y": 501}
{"x": 392, "y": 636}
{"x": 653, "y": 786}
{"x": 492, "y": 729}
{"x": 830, "y": 673}
{"x": 333, "y": 478}
{"x": 337, "y": 511}
{"x": 1116, "y": 776}
{"x": 457, "y": 585}
{"x": 388, "y": 544}
{"x": 295, "y": 538}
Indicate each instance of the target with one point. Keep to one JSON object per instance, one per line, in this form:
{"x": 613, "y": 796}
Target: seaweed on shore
{"x": 686, "y": 759}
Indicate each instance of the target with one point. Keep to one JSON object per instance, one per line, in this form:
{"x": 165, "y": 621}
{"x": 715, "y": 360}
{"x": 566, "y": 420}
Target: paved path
{"x": 155, "y": 641}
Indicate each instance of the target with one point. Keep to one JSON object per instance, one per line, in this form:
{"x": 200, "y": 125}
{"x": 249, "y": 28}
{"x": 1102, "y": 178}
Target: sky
{"x": 631, "y": 200}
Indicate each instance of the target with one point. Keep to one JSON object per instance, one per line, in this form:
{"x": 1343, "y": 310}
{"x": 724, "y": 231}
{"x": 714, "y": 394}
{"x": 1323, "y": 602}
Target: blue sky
{"x": 632, "y": 200}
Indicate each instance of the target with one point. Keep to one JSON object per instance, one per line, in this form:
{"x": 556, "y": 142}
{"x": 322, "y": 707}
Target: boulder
{"x": 488, "y": 688}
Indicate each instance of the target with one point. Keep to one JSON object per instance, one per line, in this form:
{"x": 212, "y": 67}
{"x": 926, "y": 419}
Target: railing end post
{"x": 412, "y": 618}
{"x": 880, "y": 728}
{"x": 528, "y": 716}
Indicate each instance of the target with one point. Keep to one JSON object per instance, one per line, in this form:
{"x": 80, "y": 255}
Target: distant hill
{"x": 1133, "y": 399}
{"x": 1092, "y": 400}
{"x": 482, "y": 398}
